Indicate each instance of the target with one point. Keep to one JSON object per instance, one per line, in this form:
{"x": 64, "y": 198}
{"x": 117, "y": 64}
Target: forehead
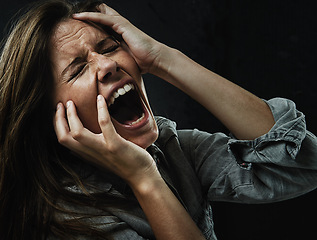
{"x": 71, "y": 35}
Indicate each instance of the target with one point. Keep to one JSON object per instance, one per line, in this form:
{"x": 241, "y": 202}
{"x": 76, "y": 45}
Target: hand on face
{"x": 107, "y": 149}
{"x": 114, "y": 142}
{"x": 144, "y": 49}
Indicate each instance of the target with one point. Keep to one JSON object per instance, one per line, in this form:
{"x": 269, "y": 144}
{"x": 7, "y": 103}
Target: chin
{"x": 143, "y": 137}
{"x": 146, "y": 141}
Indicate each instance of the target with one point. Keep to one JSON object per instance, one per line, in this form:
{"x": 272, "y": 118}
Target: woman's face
{"x": 87, "y": 62}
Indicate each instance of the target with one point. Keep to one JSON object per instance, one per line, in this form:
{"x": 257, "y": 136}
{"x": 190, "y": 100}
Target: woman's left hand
{"x": 145, "y": 50}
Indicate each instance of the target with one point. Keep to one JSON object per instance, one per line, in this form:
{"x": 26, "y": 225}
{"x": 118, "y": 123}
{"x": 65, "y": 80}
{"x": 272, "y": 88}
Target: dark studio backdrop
{"x": 267, "y": 47}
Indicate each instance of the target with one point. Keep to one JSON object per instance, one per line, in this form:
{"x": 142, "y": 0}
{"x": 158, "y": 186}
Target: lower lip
{"x": 139, "y": 124}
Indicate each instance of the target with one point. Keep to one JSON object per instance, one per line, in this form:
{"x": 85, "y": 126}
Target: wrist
{"x": 146, "y": 185}
{"x": 163, "y": 62}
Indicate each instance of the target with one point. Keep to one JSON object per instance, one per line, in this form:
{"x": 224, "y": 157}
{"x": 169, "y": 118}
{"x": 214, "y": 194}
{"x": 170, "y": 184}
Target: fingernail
{"x": 59, "y": 105}
{"x": 99, "y": 97}
{"x": 76, "y": 15}
{"x": 68, "y": 104}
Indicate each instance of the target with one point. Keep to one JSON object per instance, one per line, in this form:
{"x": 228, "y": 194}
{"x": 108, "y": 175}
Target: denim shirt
{"x": 200, "y": 167}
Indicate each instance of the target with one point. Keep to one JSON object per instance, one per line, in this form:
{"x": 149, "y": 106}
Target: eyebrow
{"x": 77, "y": 60}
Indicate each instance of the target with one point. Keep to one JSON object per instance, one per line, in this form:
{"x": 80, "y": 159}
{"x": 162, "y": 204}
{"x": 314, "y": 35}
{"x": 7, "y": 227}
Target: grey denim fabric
{"x": 200, "y": 167}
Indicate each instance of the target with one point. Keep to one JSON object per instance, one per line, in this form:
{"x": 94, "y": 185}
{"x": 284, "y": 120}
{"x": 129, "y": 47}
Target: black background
{"x": 267, "y": 47}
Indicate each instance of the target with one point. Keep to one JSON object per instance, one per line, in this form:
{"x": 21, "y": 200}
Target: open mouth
{"x": 125, "y": 105}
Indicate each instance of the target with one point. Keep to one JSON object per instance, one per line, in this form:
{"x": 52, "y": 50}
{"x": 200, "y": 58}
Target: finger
{"x": 78, "y": 131}
{"x": 103, "y": 8}
{"x": 96, "y": 17}
{"x": 74, "y": 122}
{"x": 62, "y": 130}
{"x": 104, "y": 118}
{"x": 60, "y": 123}
{"x": 61, "y": 126}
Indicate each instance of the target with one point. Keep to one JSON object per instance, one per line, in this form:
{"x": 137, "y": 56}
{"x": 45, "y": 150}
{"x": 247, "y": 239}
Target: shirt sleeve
{"x": 279, "y": 165}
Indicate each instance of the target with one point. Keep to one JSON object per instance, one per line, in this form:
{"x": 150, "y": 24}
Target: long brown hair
{"x": 33, "y": 166}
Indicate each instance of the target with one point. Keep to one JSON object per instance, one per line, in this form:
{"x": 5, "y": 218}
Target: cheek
{"x": 86, "y": 106}
{"x": 84, "y": 98}
{"x": 129, "y": 65}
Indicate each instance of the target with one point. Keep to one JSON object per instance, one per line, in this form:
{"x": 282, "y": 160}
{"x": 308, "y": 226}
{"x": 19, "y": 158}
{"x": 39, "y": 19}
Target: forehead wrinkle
{"x": 71, "y": 39}
{"x": 76, "y": 33}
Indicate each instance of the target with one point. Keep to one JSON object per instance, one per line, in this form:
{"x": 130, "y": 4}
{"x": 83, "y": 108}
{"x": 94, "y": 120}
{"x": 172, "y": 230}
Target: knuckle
{"x": 113, "y": 148}
{"x": 63, "y": 140}
{"x": 103, "y": 7}
{"x": 77, "y": 134}
{"x": 104, "y": 121}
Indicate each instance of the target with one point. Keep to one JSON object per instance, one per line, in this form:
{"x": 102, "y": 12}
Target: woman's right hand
{"x": 107, "y": 149}
{"x": 145, "y": 50}
{"x": 167, "y": 217}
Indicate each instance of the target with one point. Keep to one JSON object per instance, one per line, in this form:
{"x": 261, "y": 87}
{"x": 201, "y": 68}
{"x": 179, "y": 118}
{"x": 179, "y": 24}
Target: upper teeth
{"x": 120, "y": 91}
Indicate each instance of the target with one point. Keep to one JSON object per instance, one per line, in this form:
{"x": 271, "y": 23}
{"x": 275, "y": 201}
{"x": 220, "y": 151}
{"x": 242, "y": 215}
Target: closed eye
{"x": 107, "y": 45}
{"x": 110, "y": 49}
{"x": 77, "y": 66}
{"x": 78, "y": 71}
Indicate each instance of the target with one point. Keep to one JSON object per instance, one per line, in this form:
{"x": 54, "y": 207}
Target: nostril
{"x": 117, "y": 69}
{"x": 107, "y": 76}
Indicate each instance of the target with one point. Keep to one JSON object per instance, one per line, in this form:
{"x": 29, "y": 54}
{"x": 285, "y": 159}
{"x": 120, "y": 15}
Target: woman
{"x": 86, "y": 173}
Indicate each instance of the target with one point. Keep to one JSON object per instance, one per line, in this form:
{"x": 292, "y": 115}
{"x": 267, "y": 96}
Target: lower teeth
{"x": 137, "y": 121}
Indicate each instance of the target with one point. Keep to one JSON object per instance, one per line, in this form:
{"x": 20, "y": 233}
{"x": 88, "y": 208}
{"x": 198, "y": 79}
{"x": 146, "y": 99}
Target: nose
{"x": 106, "y": 67}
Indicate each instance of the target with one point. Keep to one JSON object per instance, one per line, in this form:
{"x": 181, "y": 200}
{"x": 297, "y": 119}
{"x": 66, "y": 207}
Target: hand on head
{"x": 144, "y": 49}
